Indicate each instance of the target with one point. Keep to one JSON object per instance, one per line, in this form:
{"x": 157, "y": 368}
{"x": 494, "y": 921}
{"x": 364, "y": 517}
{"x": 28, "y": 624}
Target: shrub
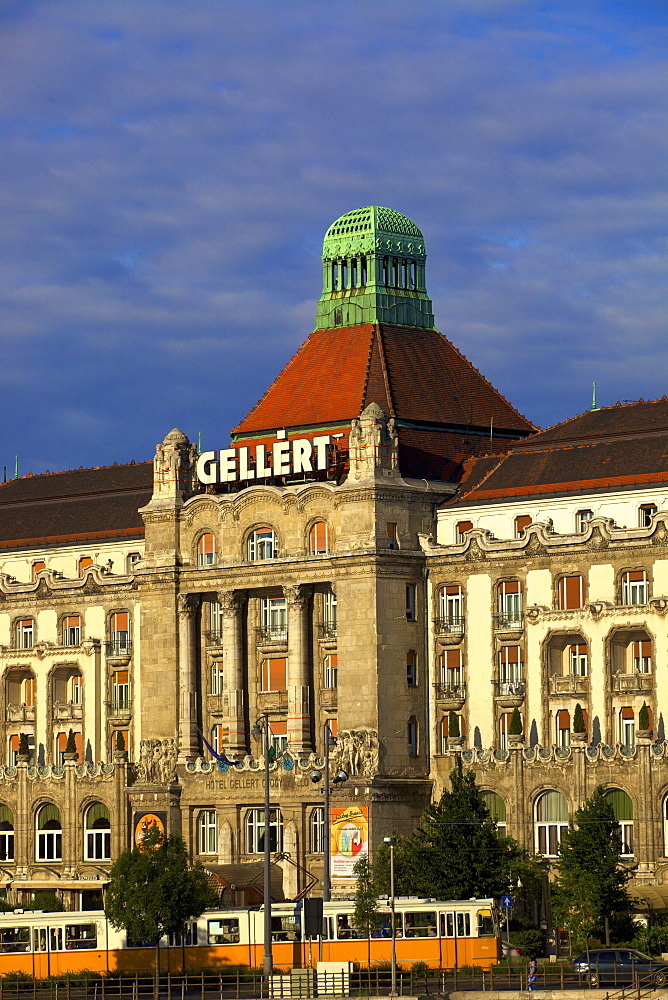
{"x": 46, "y": 901}
{"x": 120, "y": 741}
{"x": 24, "y": 746}
{"x": 453, "y": 724}
{"x": 71, "y": 745}
{"x": 578, "y": 720}
{"x": 643, "y": 717}
{"x": 515, "y": 727}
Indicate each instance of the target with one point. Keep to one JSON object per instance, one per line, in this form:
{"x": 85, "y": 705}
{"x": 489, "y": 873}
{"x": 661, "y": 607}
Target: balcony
{"x": 20, "y": 713}
{"x": 449, "y": 631}
{"x": 272, "y": 701}
{"x": 119, "y": 707}
{"x": 328, "y": 634}
{"x": 214, "y": 642}
{"x": 509, "y": 694}
{"x": 632, "y": 683}
{"x": 118, "y": 652}
{"x": 568, "y": 684}
{"x": 508, "y": 626}
{"x": 272, "y": 637}
{"x": 67, "y": 711}
{"x": 451, "y": 697}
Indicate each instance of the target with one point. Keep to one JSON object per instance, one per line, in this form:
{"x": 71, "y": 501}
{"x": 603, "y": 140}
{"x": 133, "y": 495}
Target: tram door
{"x": 45, "y": 942}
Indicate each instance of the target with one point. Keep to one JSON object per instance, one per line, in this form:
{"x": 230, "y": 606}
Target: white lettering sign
{"x": 282, "y": 458}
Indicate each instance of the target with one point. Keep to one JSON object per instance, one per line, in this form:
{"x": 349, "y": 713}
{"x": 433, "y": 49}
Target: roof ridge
{"x": 386, "y": 376}
{"x": 367, "y": 370}
{"x": 81, "y": 468}
{"x": 610, "y": 406}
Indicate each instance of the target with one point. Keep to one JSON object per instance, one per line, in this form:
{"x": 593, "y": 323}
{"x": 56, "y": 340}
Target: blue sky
{"x": 168, "y": 169}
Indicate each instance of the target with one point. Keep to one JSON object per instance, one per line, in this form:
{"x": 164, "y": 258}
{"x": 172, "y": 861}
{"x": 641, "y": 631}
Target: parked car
{"x": 509, "y": 950}
{"x": 608, "y": 966}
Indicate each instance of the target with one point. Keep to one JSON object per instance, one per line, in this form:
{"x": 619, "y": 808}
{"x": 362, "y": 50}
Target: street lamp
{"x": 260, "y": 730}
{"x": 393, "y": 989}
{"x": 339, "y": 777}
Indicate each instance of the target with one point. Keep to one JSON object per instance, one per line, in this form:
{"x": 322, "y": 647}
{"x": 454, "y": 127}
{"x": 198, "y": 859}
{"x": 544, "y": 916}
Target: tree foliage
{"x": 515, "y": 727}
{"x": 643, "y": 717}
{"x": 71, "y": 745}
{"x": 457, "y": 852}
{"x": 153, "y": 891}
{"x": 578, "y": 720}
{"x": 591, "y": 881}
{"x": 453, "y": 724}
{"x": 366, "y": 916}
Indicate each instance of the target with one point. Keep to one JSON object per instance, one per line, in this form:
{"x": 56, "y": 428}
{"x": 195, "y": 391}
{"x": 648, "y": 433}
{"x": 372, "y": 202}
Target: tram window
{"x": 55, "y": 938}
{"x": 485, "y": 923}
{"x": 284, "y": 929}
{"x": 14, "y": 939}
{"x": 79, "y": 936}
{"x": 188, "y": 939}
{"x": 326, "y": 928}
{"x": 420, "y": 924}
{"x": 343, "y": 928}
{"x": 463, "y": 925}
{"x": 39, "y": 939}
{"x": 223, "y": 931}
{"x": 448, "y": 925}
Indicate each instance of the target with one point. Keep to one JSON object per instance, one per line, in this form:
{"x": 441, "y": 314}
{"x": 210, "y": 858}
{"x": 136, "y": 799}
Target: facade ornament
{"x": 298, "y": 594}
{"x": 373, "y": 445}
{"x": 157, "y": 761}
{"x": 187, "y": 604}
{"x": 174, "y": 466}
{"x": 231, "y": 602}
{"x": 357, "y": 752}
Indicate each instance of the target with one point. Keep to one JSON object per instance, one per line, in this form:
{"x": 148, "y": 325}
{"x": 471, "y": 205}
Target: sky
{"x": 168, "y": 169}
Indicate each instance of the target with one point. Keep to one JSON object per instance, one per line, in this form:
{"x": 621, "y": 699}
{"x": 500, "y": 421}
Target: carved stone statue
{"x": 373, "y": 444}
{"x": 157, "y": 761}
{"x": 357, "y": 752}
{"x": 173, "y": 465}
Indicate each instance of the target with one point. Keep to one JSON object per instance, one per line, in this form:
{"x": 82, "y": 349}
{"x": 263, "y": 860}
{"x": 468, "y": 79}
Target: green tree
{"x": 45, "y": 901}
{"x": 590, "y": 885}
{"x": 453, "y": 724}
{"x": 153, "y": 891}
{"x": 366, "y": 916}
{"x": 643, "y": 717}
{"x": 457, "y": 852}
{"x": 515, "y": 727}
{"x": 71, "y": 745}
{"x": 578, "y": 720}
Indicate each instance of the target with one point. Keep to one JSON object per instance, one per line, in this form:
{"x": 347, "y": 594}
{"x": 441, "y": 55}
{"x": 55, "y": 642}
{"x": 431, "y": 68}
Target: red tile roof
{"x": 412, "y": 374}
{"x": 608, "y": 448}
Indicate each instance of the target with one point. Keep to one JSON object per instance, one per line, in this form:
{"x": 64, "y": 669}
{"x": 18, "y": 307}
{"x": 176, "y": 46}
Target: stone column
{"x": 231, "y": 606}
{"x": 188, "y": 736}
{"x": 299, "y": 691}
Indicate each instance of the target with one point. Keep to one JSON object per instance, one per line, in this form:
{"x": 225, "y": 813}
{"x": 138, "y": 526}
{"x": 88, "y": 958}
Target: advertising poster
{"x": 349, "y": 838}
{"x": 147, "y": 821}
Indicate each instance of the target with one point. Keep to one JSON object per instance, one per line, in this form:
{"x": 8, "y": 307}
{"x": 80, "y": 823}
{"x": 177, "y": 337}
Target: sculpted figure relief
{"x": 373, "y": 444}
{"x": 157, "y": 761}
{"x": 357, "y": 752}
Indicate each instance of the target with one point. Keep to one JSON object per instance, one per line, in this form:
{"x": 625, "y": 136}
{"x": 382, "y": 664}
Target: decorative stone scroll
{"x": 157, "y": 761}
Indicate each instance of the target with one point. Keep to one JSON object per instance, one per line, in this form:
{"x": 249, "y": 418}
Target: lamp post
{"x": 393, "y": 989}
{"x": 261, "y": 729}
{"x": 327, "y": 871}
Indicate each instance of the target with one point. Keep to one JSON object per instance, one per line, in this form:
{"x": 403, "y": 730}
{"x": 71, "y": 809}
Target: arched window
{"x": 97, "y": 833}
{"x": 206, "y": 550}
{"x": 255, "y": 831}
{"x": 49, "y": 845}
{"x": 318, "y": 831}
{"x": 497, "y": 810}
{"x": 622, "y": 807}
{"x": 318, "y": 539}
{"x": 6, "y": 834}
{"x": 262, "y": 545}
{"x": 627, "y": 727}
{"x": 207, "y": 832}
{"x": 551, "y": 811}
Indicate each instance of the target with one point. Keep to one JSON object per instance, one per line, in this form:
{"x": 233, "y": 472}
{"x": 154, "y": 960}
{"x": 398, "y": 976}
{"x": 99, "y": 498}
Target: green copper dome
{"x": 373, "y": 271}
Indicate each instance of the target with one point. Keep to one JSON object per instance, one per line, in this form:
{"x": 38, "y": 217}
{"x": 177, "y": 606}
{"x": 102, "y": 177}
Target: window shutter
{"x": 464, "y": 526}
{"x": 278, "y": 727}
{"x": 29, "y": 692}
{"x": 453, "y": 591}
{"x": 120, "y": 622}
{"x": 121, "y": 677}
{"x": 571, "y": 592}
{"x": 333, "y": 726}
{"x": 61, "y": 742}
{"x": 628, "y": 713}
{"x": 522, "y": 521}
{"x": 510, "y": 587}
{"x": 84, "y": 564}
{"x": 637, "y": 575}
{"x": 453, "y": 659}
{"x": 274, "y": 674}
{"x": 563, "y": 719}
{"x": 14, "y": 742}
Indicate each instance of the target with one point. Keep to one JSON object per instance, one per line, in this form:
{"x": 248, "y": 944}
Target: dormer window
{"x": 461, "y": 529}
{"x": 84, "y": 563}
{"x": 37, "y": 567}
{"x": 582, "y": 519}
{"x": 646, "y": 512}
{"x": 522, "y": 522}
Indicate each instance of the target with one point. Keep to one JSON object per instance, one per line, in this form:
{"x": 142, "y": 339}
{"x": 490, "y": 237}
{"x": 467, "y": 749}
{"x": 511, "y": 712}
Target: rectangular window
{"x": 120, "y": 632}
{"x": 274, "y": 673}
{"x": 563, "y": 728}
{"x": 216, "y": 678}
{"x": 14, "y": 939}
{"x": 412, "y": 733}
{"x": 582, "y": 519}
{"x": 522, "y": 521}
{"x": 329, "y": 610}
{"x": 420, "y": 924}
{"x": 80, "y": 937}
{"x": 215, "y": 620}
{"x": 37, "y": 567}
{"x": 71, "y": 630}
{"x": 28, "y": 691}
{"x": 411, "y": 668}
{"x": 511, "y": 670}
{"x": 223, "y": 931}
{"x": 642, "y": 657}
{"x": 451, "y": 671}
{"x": 120, "y": 691}
{"x": 333, "y": 725}
{"x": 411, "y": 602}
{"x": 571, "y": 593}
{"x": 635, "y": 588}
{"x": 76, "y": 689}
{"x": 208, "y": 832}
{"x": 392, "y": 535}
{"x": 578, "y": 658}
{"x": 461, "y": 530}
{"x": 646, "y": 512}
{"x": 510, "y": 603}
{"x": 278, "y": 729}
{"x": 274, "y": 618}
{"x": 25, "y": 633}
{"x": 331, "y": 670}
{"x": 450, "y": 604}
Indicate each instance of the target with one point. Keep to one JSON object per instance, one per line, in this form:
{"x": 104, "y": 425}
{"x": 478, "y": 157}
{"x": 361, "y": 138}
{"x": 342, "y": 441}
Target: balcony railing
{"x": 214, "y": 637}
{"x": 568, "y": 684}
{"x": 510, "y": 689}
{"x": 508, "y": 623}
{"x": 20, "y": 713}
{"x": 65, "y": 710}
{"x": 272, "y": 633}
{"x": 632, "y": 683}
{"x": 327, "y": 630}
{"x": 118, "y": 647}
{"x": 450, "y": 692}
{"x": 120, "y": 706}
{"x": 449, "y": 626}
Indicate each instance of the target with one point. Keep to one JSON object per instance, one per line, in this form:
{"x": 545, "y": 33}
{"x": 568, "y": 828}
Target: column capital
{"x": 298, "y": 595}
{"x": 231, "y": 601}
{"x": 187, "y": 604}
